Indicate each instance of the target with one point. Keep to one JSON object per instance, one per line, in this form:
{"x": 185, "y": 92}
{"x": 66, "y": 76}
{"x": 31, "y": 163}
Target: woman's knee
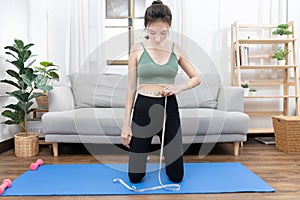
{"x": 136, "y": 177}
{"x": 176, "y": 178}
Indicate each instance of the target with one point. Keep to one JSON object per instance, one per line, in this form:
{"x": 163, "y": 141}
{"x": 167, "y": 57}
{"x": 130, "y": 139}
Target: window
{"x": 124, "y": 22}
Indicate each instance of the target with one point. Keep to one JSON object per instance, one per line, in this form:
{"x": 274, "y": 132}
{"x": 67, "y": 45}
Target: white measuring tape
{"x": 172, "y": 187}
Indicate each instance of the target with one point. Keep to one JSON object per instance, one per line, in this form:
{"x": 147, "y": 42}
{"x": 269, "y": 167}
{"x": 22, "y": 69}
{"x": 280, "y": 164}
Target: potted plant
{"x": 25, "y": 80}
{"x": 245, "y": 85}
{"x": 282, "y": 30}
{"x": 48, "y": 69}
{"x": 280, "y": 54}
{"x": 252, "y": 92}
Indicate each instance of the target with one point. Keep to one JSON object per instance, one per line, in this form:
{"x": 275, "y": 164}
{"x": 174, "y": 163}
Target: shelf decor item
{"x": 282, "y": 30}
{"x": 47, "y": 69}
{"x": 286, "y": 130}
{"x": 252, "y": 92}
{"x": 280, "y": 54}
{"x": 245, "y": 85}
{"x": 25, "y": 80}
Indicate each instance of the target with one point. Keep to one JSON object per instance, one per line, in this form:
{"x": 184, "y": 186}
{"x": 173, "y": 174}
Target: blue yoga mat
{"x": 97, "y": 179}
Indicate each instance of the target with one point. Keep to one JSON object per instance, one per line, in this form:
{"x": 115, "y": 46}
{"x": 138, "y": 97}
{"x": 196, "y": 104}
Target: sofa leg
{"x": 55, "y": 149}
{"x": 236, "y": 148}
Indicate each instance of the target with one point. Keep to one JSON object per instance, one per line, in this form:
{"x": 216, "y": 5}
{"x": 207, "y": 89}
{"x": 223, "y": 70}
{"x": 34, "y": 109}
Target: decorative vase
{"x": 246, "y": 91}
{"x": 26, "y": 146}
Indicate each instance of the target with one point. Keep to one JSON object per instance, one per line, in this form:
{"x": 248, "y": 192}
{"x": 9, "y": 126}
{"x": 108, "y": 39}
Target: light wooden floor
{"x": 280, "y": 170}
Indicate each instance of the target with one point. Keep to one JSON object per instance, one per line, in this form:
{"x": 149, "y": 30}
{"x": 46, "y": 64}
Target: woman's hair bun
{"x": 157, "y": 2}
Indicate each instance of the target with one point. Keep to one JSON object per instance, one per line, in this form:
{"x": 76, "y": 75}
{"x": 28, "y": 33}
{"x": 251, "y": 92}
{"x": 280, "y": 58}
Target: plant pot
{"x": 282, "y": 37}
{"x": 274, "y": 61}
{"x": 42, "y": 100}
{"x": 281, "y": 62}
{"x": 26, "y": 146}
{"x": 252, "y": 93}
{"x": 246, "y": 91}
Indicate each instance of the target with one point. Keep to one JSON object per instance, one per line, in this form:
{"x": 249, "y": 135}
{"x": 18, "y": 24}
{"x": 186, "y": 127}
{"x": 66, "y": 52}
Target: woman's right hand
{"x": 126, "y": 135}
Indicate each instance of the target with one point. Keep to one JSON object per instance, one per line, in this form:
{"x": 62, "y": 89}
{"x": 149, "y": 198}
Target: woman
{"x": 155, "y": 64}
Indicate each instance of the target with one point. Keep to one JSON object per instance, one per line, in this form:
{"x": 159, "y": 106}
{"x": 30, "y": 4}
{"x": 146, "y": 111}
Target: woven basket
{"x": 42, "y": 100}
{"x": 287, "y": 133}
{"x": 26, "y": 146}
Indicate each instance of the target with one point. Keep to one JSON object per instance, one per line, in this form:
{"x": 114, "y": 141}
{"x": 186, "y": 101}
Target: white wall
{"x": 6, "y": 131}
{"x": 13, "y": 21}
{"x": 207, "y": 23}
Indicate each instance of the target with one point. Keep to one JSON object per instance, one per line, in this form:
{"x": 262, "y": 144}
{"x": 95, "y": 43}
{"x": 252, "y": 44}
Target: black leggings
{"x": 147, "y": 122}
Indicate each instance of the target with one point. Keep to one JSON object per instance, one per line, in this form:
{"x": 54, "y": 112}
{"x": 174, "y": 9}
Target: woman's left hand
{"x": 170, "y": 90}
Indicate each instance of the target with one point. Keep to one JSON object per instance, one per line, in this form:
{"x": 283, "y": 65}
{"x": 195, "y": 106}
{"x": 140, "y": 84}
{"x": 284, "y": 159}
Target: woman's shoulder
{"x": 136, "y": 47}
{"x": 135, "y": 52}
{"x": 178, "y": 50}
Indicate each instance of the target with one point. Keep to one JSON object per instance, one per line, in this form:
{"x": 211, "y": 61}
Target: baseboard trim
{"x": 6, "y": 145}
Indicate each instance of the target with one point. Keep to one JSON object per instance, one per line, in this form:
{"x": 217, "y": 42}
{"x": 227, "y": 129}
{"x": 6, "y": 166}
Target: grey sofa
{"x": 91, "y": 111}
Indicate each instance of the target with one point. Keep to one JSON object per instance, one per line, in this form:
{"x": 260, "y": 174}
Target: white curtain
{"x": 84, "y": 36}
{"x": 273, "y": 12}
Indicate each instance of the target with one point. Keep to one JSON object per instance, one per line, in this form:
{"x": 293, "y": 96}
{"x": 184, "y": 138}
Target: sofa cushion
{"x": 109, "y": 90}
{"x": 108, "y": 121}
{"x": 203, "y": 96}
{"x": 85, "y": 121}
{"x": 98, "y": 90}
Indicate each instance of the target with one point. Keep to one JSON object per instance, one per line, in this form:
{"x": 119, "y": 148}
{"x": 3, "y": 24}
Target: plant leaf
{"x": 28, "y": 46}
{"x": 31, "y": 62}
{"x": 27, "y": 55}
{"x": 19, "y": 64}
{"x": 46, "y": 64}
{"x": 13, "y": 73}
{"x": 9, "y": 122}
{"x": 19, "y": 43}
{"x": 8, "y": 113}
{"x": 13, "y": 106}
{"x": 26, "y": 80}
{"x": 44, "y": 87}
{"x": 9, "y": 53}
{"x": 12, "y": 49}
{"x": 29, "y": 104}
{"x": 40, "y": 79}
{"x": 11, "y": 83}
{"x": 54, "y": 75}
{"x": 34, "y": 95}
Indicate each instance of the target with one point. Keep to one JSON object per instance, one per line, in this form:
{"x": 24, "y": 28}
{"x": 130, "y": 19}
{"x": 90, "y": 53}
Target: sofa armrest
{"x": 60, "y": 98}
{"x": 231, "y": 99}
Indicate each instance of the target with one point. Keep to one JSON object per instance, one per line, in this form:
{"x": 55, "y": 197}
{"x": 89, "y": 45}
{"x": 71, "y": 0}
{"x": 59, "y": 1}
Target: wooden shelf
{"x": 266, "y": 41}
{"x": 261, "y": 131}
{"x": 270, "y": 97}
{"x": 117, "y": 62}
{"x": 265, "y": 83}
{"x": 267, "y": 66}
{"x": 287, "y": 86}
{"x": 264, "y": 113}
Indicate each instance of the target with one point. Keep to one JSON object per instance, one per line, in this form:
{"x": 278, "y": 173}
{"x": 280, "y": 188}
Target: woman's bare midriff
{"x": 152, "y": 88}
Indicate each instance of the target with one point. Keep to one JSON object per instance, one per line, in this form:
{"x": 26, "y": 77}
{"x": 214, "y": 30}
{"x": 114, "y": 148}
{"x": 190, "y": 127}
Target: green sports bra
{"x": 150, "y": 72}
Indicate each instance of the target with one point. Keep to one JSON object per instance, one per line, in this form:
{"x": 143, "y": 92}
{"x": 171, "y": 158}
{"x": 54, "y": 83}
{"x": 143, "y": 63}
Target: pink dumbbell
{"x": 6, "y": 183}
{"x": 35, "y": 165}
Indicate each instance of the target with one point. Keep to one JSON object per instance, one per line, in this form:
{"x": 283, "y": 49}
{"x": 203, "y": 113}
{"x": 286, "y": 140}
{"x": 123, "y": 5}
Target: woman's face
{"x": 158, "y": 31}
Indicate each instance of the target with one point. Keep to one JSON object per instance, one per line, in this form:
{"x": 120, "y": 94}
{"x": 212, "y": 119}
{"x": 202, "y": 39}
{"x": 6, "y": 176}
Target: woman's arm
{"x": 189, "y": 69}
{"x": 126, "y": 133}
